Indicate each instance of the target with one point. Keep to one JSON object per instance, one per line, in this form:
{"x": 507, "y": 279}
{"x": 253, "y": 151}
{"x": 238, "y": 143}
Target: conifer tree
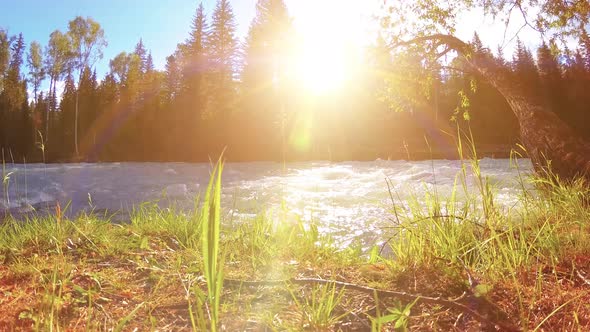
{"x": 108, "y": 96}
{"x": 18, "y": 133}
{"x": 173, "y": 80}
{"x": 264, "y": 82}
{"x": 550, "y": 80}
{"x": 222, "y": 50}
{"x": 222, "y": 46}
{"x": 67, "y": 110}
{"x": 500, "y": 56}
{"x": 477, "y": 44}
{"x": 266, "y": 45}
{"x": 142, "y": 53}
{"x": 14, "y": 93}
{"x": 149, "y": 63}
{"x": 576, "y": 79}
{"x": 196, "y": 65}
{"x": 88, "y": 89}
{"x": 525, "y": 70}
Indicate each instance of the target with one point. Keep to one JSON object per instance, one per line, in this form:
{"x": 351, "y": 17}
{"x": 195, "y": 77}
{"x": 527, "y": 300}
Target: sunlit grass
{"x": 168, "y": 269}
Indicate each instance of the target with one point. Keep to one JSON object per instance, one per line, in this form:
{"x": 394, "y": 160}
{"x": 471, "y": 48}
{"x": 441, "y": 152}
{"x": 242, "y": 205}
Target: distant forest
{"x": 219, "y": 92}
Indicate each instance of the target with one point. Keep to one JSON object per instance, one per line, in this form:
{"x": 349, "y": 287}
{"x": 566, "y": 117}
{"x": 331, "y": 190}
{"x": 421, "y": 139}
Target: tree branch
{"x": 453, "y": 42}
{"x": 463, "y": 303}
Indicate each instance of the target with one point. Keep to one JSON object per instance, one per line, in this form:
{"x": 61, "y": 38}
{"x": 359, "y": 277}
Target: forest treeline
{"x": 220, "y": 92}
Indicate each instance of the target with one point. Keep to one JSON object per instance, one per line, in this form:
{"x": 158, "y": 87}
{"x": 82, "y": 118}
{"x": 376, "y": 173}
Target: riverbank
{"x": 447, "y": 266}
{"x": 413, "y": 151}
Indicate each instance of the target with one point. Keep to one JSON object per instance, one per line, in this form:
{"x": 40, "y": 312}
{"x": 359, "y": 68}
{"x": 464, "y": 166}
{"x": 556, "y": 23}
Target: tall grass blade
{"x": 128, "y": 318}
{"x": 210, "y": 223}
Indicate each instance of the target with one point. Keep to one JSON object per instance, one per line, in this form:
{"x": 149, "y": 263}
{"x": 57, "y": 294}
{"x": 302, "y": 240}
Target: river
{"x": 349, "y": 199}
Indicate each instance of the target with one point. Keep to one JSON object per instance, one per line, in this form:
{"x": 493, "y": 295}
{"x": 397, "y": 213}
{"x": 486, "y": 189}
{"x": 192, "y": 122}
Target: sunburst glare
{"x": 329, "y": 43}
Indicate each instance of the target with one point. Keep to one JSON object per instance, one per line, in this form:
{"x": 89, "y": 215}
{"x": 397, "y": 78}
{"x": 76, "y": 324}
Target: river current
{"x": 347, "y": 198}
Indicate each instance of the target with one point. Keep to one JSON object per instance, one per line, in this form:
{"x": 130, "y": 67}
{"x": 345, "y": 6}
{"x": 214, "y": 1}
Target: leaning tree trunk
{"x": 555, "y": 149}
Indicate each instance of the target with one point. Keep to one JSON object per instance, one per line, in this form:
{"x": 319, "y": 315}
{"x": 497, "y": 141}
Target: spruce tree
{"x": 577, "y": 100}
{"x": 15, "y": 94}
{"x": 67, "y": 110}
{"x": 190, "y": 109}
{"x": 142, "y": 53}
{"x": 196, "y": 64}
{"x": 12, "y": 101}
{"x": 149, "y": 63}
{"x": 525, "y": 70}
{"x": 173, "y": 79}
{"x": 551, "y": 80}
{"x": 266, "y": 44}
{"x": 222, "y": 46}
{"x": 88, "y": 105}
{"x": 264, "y": 77}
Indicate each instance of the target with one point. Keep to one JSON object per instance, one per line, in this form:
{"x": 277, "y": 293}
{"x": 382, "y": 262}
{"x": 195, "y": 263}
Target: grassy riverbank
{"x": 450, "y": 264}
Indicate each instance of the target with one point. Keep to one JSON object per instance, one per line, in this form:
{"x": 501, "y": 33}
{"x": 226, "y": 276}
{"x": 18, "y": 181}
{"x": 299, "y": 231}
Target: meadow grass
{"x": 166, "y": 269}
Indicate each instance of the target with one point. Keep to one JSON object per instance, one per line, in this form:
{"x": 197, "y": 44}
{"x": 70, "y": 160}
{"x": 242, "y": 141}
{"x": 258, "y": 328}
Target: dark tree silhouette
{"x": 553, "y": 146}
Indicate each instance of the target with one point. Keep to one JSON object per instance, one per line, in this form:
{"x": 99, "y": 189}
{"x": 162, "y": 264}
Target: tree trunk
{"x": 48, "y": 108}
{"x": 556, "y": 151}
{"x": 76, "y": 115}
{"x": 76, "y": 126}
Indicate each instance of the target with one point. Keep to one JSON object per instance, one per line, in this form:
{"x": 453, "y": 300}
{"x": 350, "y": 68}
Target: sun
{"x": 332, "y": 34}
{"x": 322, "y": 68}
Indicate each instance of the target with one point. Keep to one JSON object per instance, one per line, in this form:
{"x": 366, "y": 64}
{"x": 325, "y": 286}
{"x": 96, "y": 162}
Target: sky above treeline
{"x": 163, "y": 24}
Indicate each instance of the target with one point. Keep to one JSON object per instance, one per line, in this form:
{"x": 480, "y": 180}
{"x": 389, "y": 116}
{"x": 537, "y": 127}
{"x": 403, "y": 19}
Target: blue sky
{"x": 161, "y": 23}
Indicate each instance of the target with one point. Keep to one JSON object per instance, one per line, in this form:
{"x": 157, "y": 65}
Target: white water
{"x": 345, "y": 198}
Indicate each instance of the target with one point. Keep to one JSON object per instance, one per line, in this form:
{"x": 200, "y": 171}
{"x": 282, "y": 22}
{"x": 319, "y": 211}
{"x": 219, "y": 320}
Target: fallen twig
{"x": 456, "y": 303}
{"x": 449, "y": 303}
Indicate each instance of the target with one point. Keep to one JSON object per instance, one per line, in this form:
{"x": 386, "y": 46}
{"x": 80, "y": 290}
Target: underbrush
{"x": 450, "y": 263}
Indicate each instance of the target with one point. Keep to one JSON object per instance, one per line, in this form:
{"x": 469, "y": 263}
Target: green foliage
{"x": 87, "y": 41}
{"x": 398, "y": 315}
{"x": 5, "y": 41}
{"x": 222, "y": 47}
{"x": 267, "y": 46}
{"x": 35, "y": 63}
{"x": 222, "y": 42}
{"x": 15, "y": 122}
{"x": 215, "y": 92}
{"x": 319, "y": 308}
{"x": 121, "y": 326}
{"x": 556, "y": 19}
